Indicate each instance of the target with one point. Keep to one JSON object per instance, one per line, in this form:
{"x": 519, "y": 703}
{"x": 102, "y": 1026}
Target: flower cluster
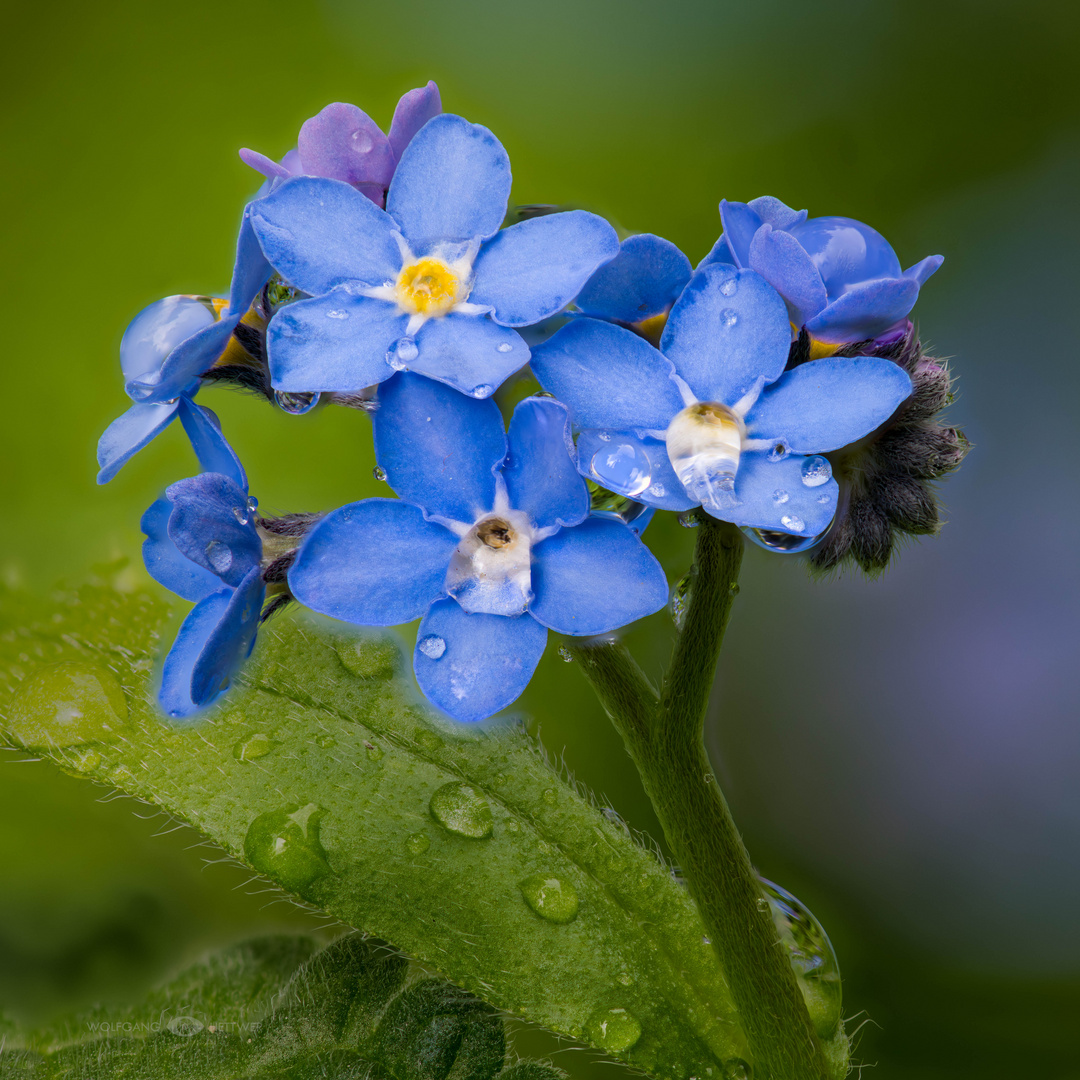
{"x": 382, "y": 272}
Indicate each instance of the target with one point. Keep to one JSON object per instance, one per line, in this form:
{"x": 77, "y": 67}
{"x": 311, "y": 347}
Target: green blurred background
{"x": 904, "y": 754}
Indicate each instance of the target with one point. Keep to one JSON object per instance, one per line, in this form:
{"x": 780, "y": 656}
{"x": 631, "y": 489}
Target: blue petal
{"x": 230, "y": 642}
{"x": 775, "y": 213}
{"x": 193, "y": 638}
{"x": 156, "y": 331}
{"x": 452, "y": 183}
{"x": 485, "y": 661}
{"x": 373, "y": 563}
{"x": 213, "y": 451}
{"x": 535, "y": 268}
{"x": 827, "y": 404}
{"x": 728, "y": 330}
{"x": 338, "y": 341}
{"x": 439, "y": 448}
{"x": 924, "y": 268}
{"x": 643, "y": 280}
{"x": 181, "y": 369}
{"x": 866, "y": 310}
{"x": 128, "y": 434}
{"x": 468, "y": 352}
{"x": 636, "y": 467}
{"x": 541, "y": 477}
{"x": 608, "y": 376}
{"x": 740, "y": 223}
{"x": 318, "y": 233}
{"x": 164, "y": 562}
{"x": 846, "y": 251}
{"x": 794, "y": 494}
{"x": 720, "y": 253}
{"x": 251, "y": 269}
{"x": 595, "y": 578}
{"x": 780, "y": 259}
{"x": 211, "y": 525}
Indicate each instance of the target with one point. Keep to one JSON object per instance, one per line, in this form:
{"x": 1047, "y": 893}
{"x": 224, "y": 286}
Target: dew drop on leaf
{"x": 615, "y": 1030}
{"x": 418, "y": 843}
{"x": 736, "y": 1069}
{"x": 550, "y": 897}
{"x": 254, "y": 746}
{"x": 462, "y": 810}
{"x": 284, "y": 845}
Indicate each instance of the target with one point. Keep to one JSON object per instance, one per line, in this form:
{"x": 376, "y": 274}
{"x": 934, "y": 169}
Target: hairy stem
{"x": 665, "y": 739}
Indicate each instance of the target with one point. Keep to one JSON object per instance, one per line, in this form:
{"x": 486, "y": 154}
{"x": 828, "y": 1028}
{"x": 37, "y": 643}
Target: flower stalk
{"x": 664, "y": 735}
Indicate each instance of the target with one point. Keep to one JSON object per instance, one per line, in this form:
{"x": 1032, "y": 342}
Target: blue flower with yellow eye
{"x": 431, "y": 284}
{"x": 491, "y": 545}
{"x": 840, "y": 279}
{"x": 712, "y": 418}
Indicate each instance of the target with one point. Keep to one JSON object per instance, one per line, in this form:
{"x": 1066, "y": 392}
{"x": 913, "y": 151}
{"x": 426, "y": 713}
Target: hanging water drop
{"x": 704, "y": 443}
{"x": 565, "y": 655}
{"x": 295, "y": 404}
{"x": 379, "y": 473}
{"x": 680, "y": 598}
{"x": 432, "y": 646}
{"x": 241, "y": 515}
{"x": 622, "y": 467}
{"x": 615, "y": 1030}
{"x": 219, "y": 556}
{"x": 483, "y": 390}
{"x": 550, "y": 897}
{"x": 402, "y": 353}
{"x": 284, "y": 845}
{"x": 783, "y": 542}
{"x": 816, "y": 471}
{"x": 462, "y": 810}
{"x": 688, "y": 519}
{"x": 252, "y": 504}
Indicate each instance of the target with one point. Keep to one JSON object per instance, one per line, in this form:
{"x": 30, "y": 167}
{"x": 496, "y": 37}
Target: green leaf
{"x": 321, "y": 770}
{"x": 270, "y": 1010}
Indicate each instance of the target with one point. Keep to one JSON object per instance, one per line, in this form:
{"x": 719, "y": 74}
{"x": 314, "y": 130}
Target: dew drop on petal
{"x": 252, "y": 504}
{"x": 402, "y": 353}
{"x": 615, "y": 1030}
{"x": 219, "y": 556}
{"x": 462, "y": 810}
{"x": 550, "y": 897}
{"x": 483, "y": 390}
{"x": 657, "y": 491}
{"x": 780, "y": 496}
{"x": 505, "y": 347}
{"x": 285, "y": 846}
{"x": 816, "y": 471}
{"x": 295, "y": 404}
{"x": 241, "y": 515}
{"x": 432, "y": 646}
{"x": 730, "y": 287}
{"x": 728, "y": 318}
{"x": 782, "y": 542}
{"x": 688, "y": 519}
{"x": 604, "y": 436}
{"x": 361, "y": 142}
{"x": 795, "y": 524}
{"x": 337, "y": 314}
{"x": 777, "y": 452}
{"x": 704, "y": 444}
{"x": 622, "y": 467}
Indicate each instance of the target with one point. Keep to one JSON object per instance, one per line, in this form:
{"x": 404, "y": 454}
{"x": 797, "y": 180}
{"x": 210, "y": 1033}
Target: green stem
{"x": 665, "y": 739}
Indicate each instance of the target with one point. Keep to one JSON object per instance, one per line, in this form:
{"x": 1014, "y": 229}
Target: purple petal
{"x": 343, "y": 143}
{"x": 261, "y": 163}
{"x": 413, "y": 111}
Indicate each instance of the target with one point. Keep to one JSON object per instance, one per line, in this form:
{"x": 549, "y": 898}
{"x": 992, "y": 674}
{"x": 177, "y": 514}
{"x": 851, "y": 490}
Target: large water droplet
{"x": 361, "y": 141}
{"x": 614, "y": 1030}
{"x": 680, "y": 598}
{"x": 812, "y": 956}
{"x": 417, "y": 843}
{"x": 241, "y": 514}
{"x": 622, "y": 467}
{"x": 550, "y": 897}
{"x": 284, "y": 845}
{"x": 784, "y": 542}
{"x": 253, "y": 747}
{"x": 66, "y": 704}
{"x": 402, "y": 353}
{"x": 219, "y": 556}
{"x": 816, "y": 471}
{"x": 704, "y": 443}
{"x": 462, "y": 810}
{"x": 795, "y": 524}
{"x": 432, "y": 646}
{"x": 295, "y": 404}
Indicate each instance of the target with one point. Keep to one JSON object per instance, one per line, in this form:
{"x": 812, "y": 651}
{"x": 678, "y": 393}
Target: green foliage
{"x": 461, "y": 846}
{"x": 271, "y": 1010}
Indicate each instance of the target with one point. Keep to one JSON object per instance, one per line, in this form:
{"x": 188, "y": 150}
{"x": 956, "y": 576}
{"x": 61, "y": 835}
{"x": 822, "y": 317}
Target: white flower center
{"x": 490, "y": 572}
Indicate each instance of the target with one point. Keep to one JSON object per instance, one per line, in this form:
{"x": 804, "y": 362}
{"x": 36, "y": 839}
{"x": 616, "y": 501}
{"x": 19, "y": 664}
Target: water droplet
{"x": 680, "y": 598}
{"x": 462, "y": 810}
{"x": 418, "y": 843}
{"x": 736, "y": 1069}
{"x": 626, "y": 979}
{"x": 325, "y": 742}
{"x": 657, "y": 491}
{"x": 728, "y": 318}
{"x": 432, "y": 646}
{"x": 730, "y": 287}
{"x": 550, "y": 796}
{"x": 733, "y": 589}
{"x": 783, "y": 542}
{"x": 604, "y": 436}
{"x": 795, "y": 524}
{"x": 688, "y": 519}
{"x": 823, "y": 499}
{"x": 379, "y": 473}
{"x": 780, "y": 496}
{"x": 362, "y": 141}
{"x": 777, "y": 452}
{"x": 816, "y": 471}
{"x": 337, "y": 314}
{"x": 704, "y": 443}
{"x": 614, "y": 1030}
{"x": 66, "y": 704}
{"x": 624, "y": 467}
{"x": 373, "y": 751}
{"x": 241, "y": 514}
{"x": 427, "y": 740}
{"x": 295, "y": 404}
{"x": 284, "y": 845}
{"x": 483, "y": 390}
{"x": 219, "y": 556}
{"x": 566, "y": 655}
{"x": 812, "y": 956}
{"x": 550, "y": 897}
{"x": 543, "y": 393}
{"x": 254, "y": 746}
{"x": 277, "y": 293}
{"x": 505, "y": 347}
{"x": 402, "y": 353}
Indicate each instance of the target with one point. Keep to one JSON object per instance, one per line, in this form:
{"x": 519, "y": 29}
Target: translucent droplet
{"x": 373, "y": 752}
{"x": 432, "y": 646}
{"x": 379, "y": 473}
{"x": 704, "y": 443}
{"x": 427, "y": 740}
{"x": 688, "y": 519}
{"x": 67, "y": 704}
{"x": 823, "y": 499}
{"x": 812, "y": 957}
{"x": 241, "y": 514}
{"x": 550, "y": 796}
{"x": 550, "y": 897}
{"x": 462, "y": 810}
{"x": 362, "y": 141}
{"x": 777, "y": 452}
{"x": 284, "y": 845}
{"x": 417, "y": 843}
{"x": 795, "y": 524}
{"x": 780, "y": 496}
{"x": 483, "y": 390}
{"x": 816, "y": 471}
{"x": 657, "y": 491}
{"x": 219, "y": 556}
{"x": 543, "y": 393}
{"x": 730, "y": 287}
{"x": 783, "y": 542}
{"x": 622, "y": 467}
{"x": 160, "y": 328}
{"x": 252, "y": 504}
{"x": 728, "y": 318}
{"x": 505, "y": 347}
{"x": 566, "y": 655}
{"x": 603, "y": 436}
{"x": 253, "y": 747}
{"x": 614, "y": 1030}
{"x": 736, "y": 1069}
{"x": 680, "y": 598}
{"x": 295, "y": 404}
{"x": 402, "y": 353}
{"x": 277, "y": 293}
{"x": 337, "y": 314}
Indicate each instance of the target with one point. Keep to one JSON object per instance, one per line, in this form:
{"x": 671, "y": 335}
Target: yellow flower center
{"x": 427, "y": 287}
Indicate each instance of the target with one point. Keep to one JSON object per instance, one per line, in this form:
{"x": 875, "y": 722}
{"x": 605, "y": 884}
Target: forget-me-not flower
{"x": 712, "y": 417}
{"x": 342, "y": 142}
{"x": 429, "y": 285}
{"x": 491, "y": 543}
{"x": 839, "y": 278}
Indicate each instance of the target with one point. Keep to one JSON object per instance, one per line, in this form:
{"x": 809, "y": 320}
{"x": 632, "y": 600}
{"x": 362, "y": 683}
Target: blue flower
{"x": 839, "y": 278}
{"x": 712, "y": 417}
{"x": 343, "y": 143}
{"x": 430, "y": 284}
{"x": 491, "y": 543}
{"x": 165, "y": 349}
{"x": 203, "y": 544}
